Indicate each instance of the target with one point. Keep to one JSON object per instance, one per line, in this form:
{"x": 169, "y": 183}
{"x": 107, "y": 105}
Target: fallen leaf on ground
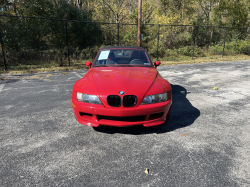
{"x": 147, "y": 171}
{"x": 64, "y": 73}
{"x": 48, "y": 75}
{"x": 183, "y": 135}
{"x": 216, "y": 88}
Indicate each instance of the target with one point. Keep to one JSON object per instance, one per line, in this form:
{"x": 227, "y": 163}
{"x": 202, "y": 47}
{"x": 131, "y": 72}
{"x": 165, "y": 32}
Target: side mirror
{"x": 89, "y": 64}
{"x": 157, "y": 63}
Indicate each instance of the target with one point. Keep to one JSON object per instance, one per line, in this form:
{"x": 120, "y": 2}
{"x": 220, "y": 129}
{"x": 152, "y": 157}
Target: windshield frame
{"x": 150, "y": 64}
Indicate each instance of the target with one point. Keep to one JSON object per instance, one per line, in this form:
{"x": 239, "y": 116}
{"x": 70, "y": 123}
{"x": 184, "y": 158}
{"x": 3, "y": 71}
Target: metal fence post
{"x": 4, "y": 60}
{"x": 249, "y": 51}
{"x": 194, "y": 41}
{"x": 158, "y": 40}
{"x": 249, "y": 45}
{"x": 67, "y": 40}
{"x": 118, "y": 37}
{"x": 224, "y": 42}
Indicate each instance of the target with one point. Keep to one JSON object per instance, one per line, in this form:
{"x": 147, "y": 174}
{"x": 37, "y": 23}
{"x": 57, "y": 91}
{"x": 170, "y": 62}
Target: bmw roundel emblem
{"x": 121, "y": 92}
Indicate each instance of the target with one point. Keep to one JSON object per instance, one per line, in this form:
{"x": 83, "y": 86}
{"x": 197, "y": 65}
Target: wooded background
{"x": 30, "y": 41}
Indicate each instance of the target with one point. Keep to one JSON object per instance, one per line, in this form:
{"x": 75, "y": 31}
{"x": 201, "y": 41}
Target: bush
{"x": 35, "y": 57}
{"x": 171, "y": 52}
{"x": 231, "y": 48}
{"x": 188, "y": 51}
{"x": 153, "y": 51}
{"x": 182, "y": 39}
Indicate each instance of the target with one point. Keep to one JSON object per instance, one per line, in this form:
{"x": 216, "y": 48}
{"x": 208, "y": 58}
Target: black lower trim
{"x": 155, "y": 116}
{"x": 85, "y": 114}
{"x": 126, "y": 119}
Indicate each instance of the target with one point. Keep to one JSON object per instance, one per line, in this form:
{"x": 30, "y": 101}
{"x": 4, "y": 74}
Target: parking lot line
{"x": 78, "y": 75}
{"x": 2, "y": 85}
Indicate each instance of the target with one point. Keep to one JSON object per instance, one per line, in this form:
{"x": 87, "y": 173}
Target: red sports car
{"x": 122, "y": 88}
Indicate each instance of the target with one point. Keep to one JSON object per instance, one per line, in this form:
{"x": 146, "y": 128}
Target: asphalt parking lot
{"x": 206, "y": 141}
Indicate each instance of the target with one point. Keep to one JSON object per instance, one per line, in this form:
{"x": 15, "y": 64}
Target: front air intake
{"x": 114, "y": 100}
{"x": 129, "y": 100}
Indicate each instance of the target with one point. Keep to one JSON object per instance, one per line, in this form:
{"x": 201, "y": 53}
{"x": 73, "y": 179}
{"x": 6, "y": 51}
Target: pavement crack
{"x": 241, "y": 94}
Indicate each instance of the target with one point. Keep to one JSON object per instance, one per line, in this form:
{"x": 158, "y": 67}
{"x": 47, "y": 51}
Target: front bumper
{"x": 146, "y": 115}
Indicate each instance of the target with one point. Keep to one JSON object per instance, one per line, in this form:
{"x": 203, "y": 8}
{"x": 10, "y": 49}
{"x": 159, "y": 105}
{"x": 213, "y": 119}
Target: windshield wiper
{"x": 103, "y": 65}
{"x": 132, "y": 65}
{"x": 128, "y": 65}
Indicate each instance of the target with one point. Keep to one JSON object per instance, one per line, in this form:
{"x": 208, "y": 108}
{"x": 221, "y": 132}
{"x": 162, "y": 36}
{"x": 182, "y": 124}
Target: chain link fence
{"x": 45, "y": 41}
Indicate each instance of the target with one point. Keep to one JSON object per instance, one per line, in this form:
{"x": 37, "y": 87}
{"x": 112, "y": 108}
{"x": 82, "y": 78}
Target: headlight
{"x": 88, "y": 98}
{"x": 155, "y": 98}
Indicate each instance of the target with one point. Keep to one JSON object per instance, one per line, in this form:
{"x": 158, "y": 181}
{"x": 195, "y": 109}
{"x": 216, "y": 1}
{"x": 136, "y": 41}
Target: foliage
{"x": 231, "y": 48}
{"x": 38, "y": 39}
{"x": 21, "y": 34}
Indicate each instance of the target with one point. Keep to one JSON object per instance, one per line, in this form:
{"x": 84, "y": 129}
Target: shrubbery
{"x": 231, "y": 48}
{"x": 34, "y": 57}
{"x": 36, "y": 41}
{"x": 179, "y": 41}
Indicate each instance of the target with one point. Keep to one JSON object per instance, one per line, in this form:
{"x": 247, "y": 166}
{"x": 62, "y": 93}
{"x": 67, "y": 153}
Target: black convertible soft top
{"x": 122, "y": 47}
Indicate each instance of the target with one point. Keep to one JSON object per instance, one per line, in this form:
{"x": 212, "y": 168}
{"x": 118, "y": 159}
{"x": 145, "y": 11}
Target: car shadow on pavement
{"x": 183, "y": 114}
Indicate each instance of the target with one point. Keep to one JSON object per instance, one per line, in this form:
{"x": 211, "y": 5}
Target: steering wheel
{"x": 136, "y": 61}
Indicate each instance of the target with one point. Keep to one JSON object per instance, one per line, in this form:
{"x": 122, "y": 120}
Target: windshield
{"x": 122, "y": 57}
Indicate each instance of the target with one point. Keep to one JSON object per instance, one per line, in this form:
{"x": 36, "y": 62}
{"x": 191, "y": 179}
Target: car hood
{"x": 110, "y": 81}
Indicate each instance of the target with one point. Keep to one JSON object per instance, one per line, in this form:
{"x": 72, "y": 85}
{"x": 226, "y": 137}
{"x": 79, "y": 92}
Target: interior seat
{"x": 111, "y": 58}
{"x": 136, "y": 58}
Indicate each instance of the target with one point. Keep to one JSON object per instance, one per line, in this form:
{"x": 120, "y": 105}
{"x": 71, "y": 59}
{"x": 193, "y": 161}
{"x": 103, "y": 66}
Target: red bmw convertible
{"x": 122, "y": 88}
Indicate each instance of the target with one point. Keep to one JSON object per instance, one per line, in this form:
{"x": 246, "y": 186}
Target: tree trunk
{"x": 183, "y": 9}
{"x": 211, "y": 37}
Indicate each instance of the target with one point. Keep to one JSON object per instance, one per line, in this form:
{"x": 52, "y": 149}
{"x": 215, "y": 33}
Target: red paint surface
{"x": 157, "y": 63}
{"x": 104, "y": 81}
{"x": 89, "y": 64}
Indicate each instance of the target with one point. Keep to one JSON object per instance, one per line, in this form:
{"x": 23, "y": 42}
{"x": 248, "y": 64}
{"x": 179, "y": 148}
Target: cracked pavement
{"x": 206, "y": 141}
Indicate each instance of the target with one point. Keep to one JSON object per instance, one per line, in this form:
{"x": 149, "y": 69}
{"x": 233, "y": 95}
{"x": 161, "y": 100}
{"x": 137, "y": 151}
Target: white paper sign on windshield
{"x": 104, "y": 55}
